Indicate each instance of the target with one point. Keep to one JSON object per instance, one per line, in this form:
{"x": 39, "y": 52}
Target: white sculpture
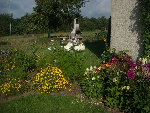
{"x": 76, "y": 33}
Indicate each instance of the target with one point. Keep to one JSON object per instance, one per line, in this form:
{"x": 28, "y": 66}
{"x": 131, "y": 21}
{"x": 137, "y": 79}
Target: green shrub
{"x": 72, "y": 63}
{"x": 27, "y": 62}
{"x": 16, "y": 64}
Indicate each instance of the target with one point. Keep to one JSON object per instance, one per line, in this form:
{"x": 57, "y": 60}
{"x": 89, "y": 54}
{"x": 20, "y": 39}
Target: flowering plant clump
{"x": 50, "y": 79}
{"x": 13, "y": 86}
{"x": 74, "y": 44}
{"x": 122, "y": 82}
{"x": 92, "y": 83}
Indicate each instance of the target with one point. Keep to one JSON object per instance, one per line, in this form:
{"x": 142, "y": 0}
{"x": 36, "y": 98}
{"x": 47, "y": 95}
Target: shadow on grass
{"x": 97, "y": 47}
{"x": 4, "y": 43}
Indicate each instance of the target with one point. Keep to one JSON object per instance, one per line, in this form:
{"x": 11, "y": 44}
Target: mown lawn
{"x": 44, "y": 103}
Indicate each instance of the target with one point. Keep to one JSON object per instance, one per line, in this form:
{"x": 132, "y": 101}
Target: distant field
{"x": 19, "y": 41}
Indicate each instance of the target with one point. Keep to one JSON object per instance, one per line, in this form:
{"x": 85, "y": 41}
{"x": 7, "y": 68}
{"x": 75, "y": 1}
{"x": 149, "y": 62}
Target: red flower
{"x": 97, "y": 69}
{"x": 109, "y": 63}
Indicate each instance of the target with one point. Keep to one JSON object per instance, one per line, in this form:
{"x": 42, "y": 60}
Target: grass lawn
{"x": 44, "y": 103}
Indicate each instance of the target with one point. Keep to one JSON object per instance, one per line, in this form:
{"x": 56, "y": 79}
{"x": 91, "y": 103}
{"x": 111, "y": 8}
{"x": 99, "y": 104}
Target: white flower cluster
{"x": 125, "y": 87}
{"x": 51, "y": 44}
{"x": 91, "y": 70}
{"x": 75, "y": 44}
{"x": 145, "y": 60}
{"x": 79, "y": 47}
{"x": 68, "y": 46}
{"x": 50, "y": 48}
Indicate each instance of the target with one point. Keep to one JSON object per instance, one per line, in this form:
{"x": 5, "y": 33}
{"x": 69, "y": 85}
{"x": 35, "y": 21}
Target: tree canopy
{"x": 51, "y": 13}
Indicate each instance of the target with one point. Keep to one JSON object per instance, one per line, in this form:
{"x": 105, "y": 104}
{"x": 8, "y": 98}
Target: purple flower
{"x": 131, "y": 73}
{"x": 132, "y": 64}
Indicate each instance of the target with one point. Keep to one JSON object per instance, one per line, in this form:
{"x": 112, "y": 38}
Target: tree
{"x": 4, "y": 23}
{"x": 52, "y": 13}
{"x": 103, "y": 23}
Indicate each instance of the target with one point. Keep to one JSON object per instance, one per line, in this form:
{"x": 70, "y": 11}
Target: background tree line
{"x": 51, "y": 16}
{"x": 27, "y": 25}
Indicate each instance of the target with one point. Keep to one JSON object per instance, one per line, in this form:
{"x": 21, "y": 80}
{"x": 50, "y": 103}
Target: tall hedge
{"x": 145, "y": 7}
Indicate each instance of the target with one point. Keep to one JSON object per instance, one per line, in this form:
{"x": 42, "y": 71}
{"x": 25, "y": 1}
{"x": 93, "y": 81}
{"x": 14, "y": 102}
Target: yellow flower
{"x": 105, "y": 40}
{"x": 13, "y": 66}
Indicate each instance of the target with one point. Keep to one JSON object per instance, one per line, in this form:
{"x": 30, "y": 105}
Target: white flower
{"x": 52, "y": 40}
{"x": 91, "y": 68}
{"x": 144, "y": 60}
{"x": 79, "y": 47}
{"x": 68, "y": 46}
{"x": 93, "y": 78}
{"x": 128, "y": 87}
{"x": 115, "y": 79}
{"x": 87, "y": 69}
{"x": 94, "y": 67}
{"x": 49, "y": 48}
{"x": 61, "y": 46}
{"x": 85, "y": 73}
{"x": 76, "y": 48}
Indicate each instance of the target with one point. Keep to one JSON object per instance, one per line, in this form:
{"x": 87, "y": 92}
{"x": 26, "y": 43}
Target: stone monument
{"x": 126, "y": 28}
{"x": 76, "y": 33}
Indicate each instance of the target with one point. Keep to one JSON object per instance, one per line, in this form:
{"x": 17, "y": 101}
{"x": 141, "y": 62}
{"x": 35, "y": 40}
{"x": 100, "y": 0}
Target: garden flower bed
{"x": 114, "y": 80}
{"x": 120, "y": 83}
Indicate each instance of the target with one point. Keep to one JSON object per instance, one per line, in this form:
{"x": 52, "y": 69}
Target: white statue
{"x": 76, "y": 33}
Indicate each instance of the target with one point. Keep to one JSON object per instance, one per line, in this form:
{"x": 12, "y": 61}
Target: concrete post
{"x": 126, "y": 28}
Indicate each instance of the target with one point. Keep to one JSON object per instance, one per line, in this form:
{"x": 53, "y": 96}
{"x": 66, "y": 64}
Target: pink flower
{"x": 127, "y": 58}
{"x": 115, "y": 59}
{"x": 131, "y": 74}
{"x": 132, "y": 64}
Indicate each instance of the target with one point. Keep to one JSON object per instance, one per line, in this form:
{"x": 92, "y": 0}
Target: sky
{"x": 94, "y": 8}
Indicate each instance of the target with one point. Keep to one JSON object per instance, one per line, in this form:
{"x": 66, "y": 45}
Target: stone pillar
{"x": 126, "y": 28}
